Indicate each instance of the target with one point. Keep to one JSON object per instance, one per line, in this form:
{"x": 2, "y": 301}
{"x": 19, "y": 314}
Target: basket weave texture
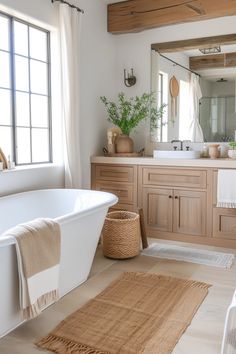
{"x": 121, "y": 235}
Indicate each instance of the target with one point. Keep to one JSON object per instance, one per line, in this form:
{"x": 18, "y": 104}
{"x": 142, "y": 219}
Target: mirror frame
{"x": 194, "y": 43}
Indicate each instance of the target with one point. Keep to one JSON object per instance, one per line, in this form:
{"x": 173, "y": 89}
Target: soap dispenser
{"x": 205, "y": 151}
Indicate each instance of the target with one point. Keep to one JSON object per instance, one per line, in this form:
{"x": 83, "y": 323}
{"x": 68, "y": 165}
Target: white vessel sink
{"x": 176, "y": 154}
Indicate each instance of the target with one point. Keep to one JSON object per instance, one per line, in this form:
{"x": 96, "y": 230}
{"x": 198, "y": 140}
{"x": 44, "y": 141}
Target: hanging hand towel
{"x": 226, "y": 189}
{"x": 38, "y": 245}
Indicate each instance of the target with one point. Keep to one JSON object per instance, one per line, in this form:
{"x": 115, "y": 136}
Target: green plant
{"x": 128, "y": 113}
{"x": 233, "y": 145}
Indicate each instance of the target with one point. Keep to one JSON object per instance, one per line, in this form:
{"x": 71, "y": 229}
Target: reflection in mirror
{"x": 217, "y": 109}
{"x": 206, "y": 107}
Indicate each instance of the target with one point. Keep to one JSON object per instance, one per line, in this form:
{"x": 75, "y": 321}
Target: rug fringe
{"x": 62, "y": 345}
{"x": 193, "y": 283}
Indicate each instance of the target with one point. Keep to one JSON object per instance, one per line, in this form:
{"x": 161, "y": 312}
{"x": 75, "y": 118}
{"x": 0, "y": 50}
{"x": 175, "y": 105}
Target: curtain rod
{"x": 174, "y": 62}
{"x": 72, "y": 6}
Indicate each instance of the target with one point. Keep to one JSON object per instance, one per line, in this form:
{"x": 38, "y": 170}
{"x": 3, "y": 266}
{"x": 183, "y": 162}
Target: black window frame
{"x": 13, "y": 89}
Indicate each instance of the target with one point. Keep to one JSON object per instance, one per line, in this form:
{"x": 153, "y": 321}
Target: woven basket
{"x": 121, "y": 235}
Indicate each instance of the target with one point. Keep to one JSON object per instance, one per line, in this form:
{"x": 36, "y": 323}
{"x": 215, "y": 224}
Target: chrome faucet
{"x": 181, "y": 144}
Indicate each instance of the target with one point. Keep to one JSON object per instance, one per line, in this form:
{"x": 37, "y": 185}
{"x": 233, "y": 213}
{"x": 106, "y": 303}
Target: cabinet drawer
{"x": 124, "y": 192}
{"x": 114, "y": 173}
{"x": 224, "y": 223}
{"x": 126, "y": 207}
{"x": 174, "y": 177}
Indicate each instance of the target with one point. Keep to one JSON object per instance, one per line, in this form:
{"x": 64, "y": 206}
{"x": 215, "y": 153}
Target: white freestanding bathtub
{"x": 80, "y": 213}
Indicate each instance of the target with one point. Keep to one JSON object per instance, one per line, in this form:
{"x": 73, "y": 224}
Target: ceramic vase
{"x": 124, "y": 144}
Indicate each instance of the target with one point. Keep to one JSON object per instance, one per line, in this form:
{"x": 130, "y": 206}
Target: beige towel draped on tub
{"x": 38, "y": 245}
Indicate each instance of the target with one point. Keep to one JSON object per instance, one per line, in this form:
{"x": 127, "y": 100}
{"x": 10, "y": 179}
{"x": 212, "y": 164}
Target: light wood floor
{"x": 203, "y": 336}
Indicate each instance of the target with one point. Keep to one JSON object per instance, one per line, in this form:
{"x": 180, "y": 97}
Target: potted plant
{"x": 128, "y": 113}
{"x": 232, "y": 150}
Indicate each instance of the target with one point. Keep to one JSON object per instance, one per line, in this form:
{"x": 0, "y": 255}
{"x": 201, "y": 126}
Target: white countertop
{"x": 203, "y": 162}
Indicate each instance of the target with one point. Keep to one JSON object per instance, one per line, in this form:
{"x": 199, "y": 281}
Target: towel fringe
{"x": 35, "y": 309}
{"x": 65, "y": 346}
{"x": 230, "y": 205}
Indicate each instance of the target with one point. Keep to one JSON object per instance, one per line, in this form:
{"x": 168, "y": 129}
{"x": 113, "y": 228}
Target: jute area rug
{"x": 137, "y": 313}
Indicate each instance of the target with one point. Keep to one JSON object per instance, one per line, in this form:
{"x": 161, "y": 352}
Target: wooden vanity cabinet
{"x": 181, "y": 209}
{"x": 179, "y": 203}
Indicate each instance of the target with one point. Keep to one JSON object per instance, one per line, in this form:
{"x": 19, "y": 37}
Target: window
{"x": 25, "y": 117}
{"x": 184, "y": 111}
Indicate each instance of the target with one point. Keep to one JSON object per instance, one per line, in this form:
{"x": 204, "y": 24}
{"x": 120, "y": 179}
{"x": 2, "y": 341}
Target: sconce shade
{"x": 129, "y": 78}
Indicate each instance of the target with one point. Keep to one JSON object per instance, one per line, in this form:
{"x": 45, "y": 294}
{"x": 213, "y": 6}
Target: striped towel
{"x": 38, "y": 245}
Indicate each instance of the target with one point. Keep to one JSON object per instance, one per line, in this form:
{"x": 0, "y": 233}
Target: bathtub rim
{"x": 65, "y": 218}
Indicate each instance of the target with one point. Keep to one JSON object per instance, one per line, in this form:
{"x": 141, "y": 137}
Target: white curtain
{"x": 195, "y": 96}
{"x": 69, "y": 21}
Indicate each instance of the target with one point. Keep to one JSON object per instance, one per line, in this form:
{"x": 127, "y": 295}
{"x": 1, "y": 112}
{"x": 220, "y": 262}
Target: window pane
{"x": 23, "y": 145}
{"x": 39, "y": 82}
{"x": 6, "y": 140}
{"x": 39, "y": 111}
{"x": 21, "y": 38}
{"x": 4, "y": 70}
{"x": 38, "y": 44}
{"x": 40, "y": 146}
{"x": 5, "y": 104}
{"x": 4, "y": 30}
{"x": 22, "y": 73}
{"x": 22, "y": 109}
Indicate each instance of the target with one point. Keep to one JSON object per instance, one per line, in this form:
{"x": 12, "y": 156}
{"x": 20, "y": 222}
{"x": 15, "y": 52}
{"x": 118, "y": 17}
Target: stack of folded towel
{"x": 226, "y": 191}
{"x": 38, "y": 245}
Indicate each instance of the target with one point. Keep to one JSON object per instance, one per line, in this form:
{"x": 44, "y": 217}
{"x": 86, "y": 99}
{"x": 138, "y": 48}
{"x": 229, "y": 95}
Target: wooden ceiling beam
{"x": 138, "y": 15}
{"x": 212, "y": 61}
{"x": 188, "y": 44}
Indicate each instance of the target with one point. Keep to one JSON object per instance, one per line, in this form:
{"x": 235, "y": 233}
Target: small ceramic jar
{"x": 232, "y": 153}
{"x": 214, "y": 151}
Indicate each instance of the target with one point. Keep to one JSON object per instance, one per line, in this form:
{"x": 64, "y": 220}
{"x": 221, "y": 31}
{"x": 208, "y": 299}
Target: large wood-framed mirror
{"x": 213, "y": 60}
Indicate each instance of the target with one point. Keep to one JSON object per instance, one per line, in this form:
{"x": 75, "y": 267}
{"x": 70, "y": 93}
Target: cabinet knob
{"x": 170, "y": 196}
{"x": 176, "y": 197}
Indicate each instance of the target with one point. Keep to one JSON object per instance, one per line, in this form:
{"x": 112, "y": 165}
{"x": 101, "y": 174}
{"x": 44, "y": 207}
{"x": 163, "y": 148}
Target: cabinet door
{"x": 190, "y": 212}
{"x": 224, "y": 223}
{"x": 158, "y": 207}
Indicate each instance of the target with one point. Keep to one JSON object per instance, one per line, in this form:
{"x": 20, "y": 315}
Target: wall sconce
{"x": 129, "y": 78}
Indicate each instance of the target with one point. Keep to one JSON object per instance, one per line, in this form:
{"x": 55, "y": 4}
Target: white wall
{"x": 98, "y": 78}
